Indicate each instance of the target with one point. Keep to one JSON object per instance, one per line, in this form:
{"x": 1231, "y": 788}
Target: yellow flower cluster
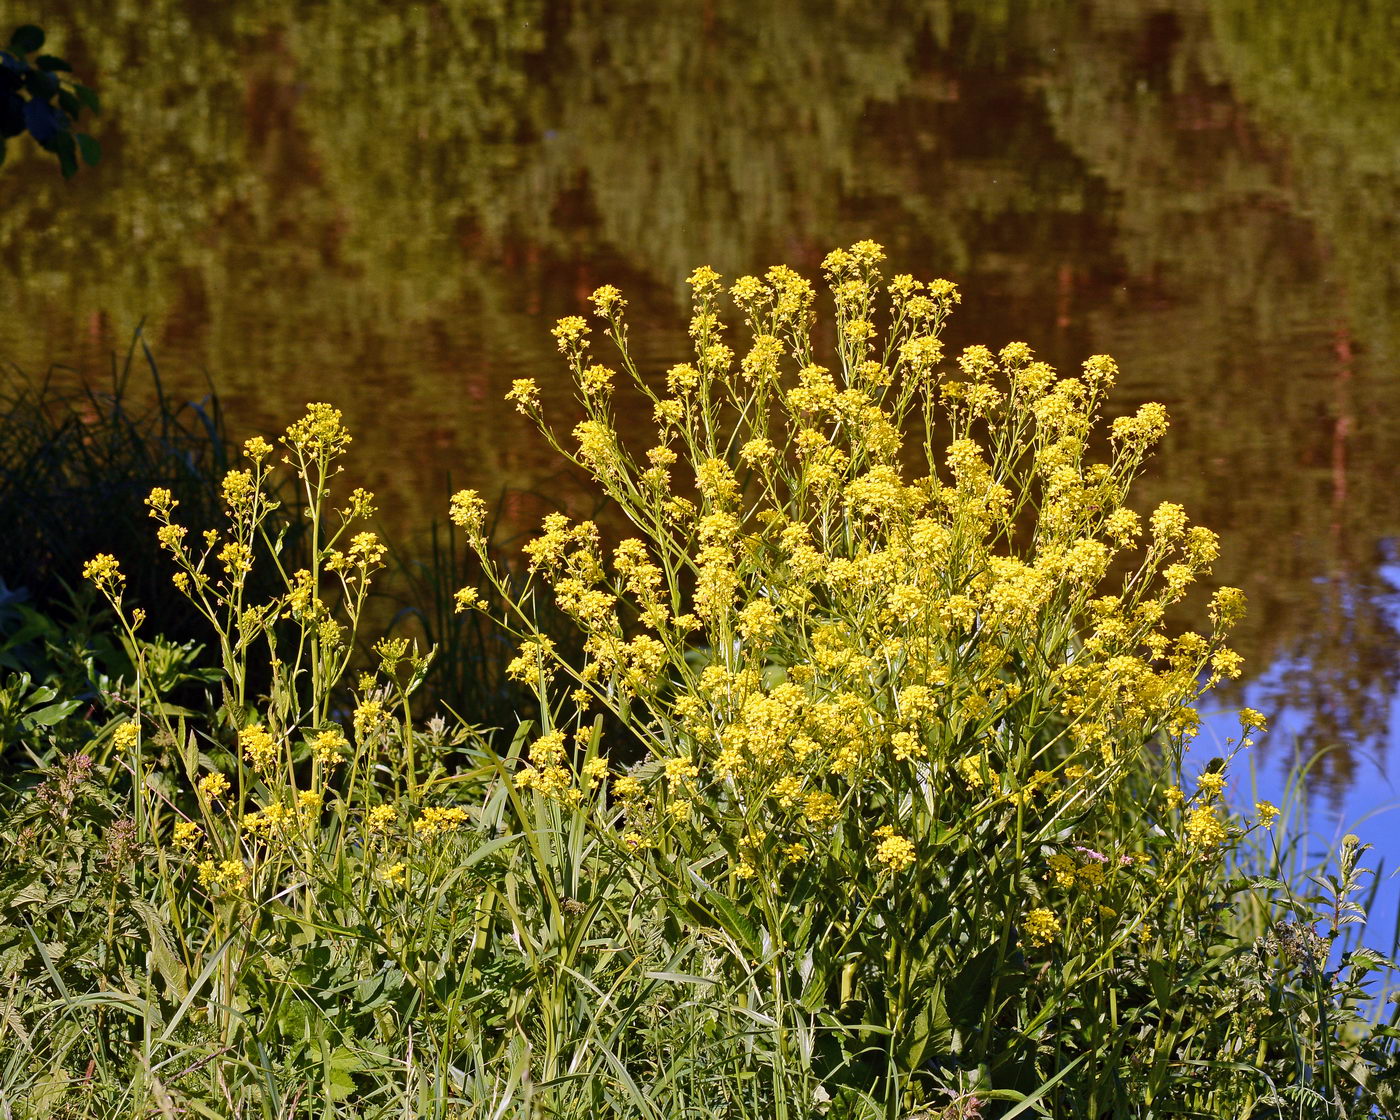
{"x": 126, "y": 736}
{"x": 825, "y": 622}
{"x": 328, "y": 747}
{"x": 258, "y": 747}
{"x": 1204, "y": 829}
{"x": 893, "y": 851}
{"x": 187, "y": 835}
{"x": 222, "y": 875}
{"x": 104, "y": 571}
{"x": 436, "y": 819}
{"x": 213, "y": 786}
{"x": 548, "y": 773}
{"x": 1041, "y": 926}
{"x": 318, "y": 434}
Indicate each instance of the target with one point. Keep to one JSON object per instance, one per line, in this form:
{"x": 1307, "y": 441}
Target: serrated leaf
{"x": 30, "y": 892}
{"x": 733, "y": 921}
{"x": 89, "y": 148}
{"x": 162, "y": 949}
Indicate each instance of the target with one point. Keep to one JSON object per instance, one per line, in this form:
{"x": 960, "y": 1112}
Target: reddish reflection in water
{"x": 388, "y": 210}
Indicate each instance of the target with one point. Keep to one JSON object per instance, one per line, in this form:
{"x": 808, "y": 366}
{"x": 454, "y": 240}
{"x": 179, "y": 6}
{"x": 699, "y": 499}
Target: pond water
{"x": 386, "y": 206}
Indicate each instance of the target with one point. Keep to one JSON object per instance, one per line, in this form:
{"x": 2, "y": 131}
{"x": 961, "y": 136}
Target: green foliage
{"x": 35, "y": 98}
{"x": 76, "y": 466}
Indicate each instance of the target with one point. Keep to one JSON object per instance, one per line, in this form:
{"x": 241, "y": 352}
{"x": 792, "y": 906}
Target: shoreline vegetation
{"x": 844, "y": 769}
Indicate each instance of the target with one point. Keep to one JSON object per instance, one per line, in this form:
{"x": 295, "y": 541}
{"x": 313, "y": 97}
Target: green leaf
{"x": 34, "y": 891}
{"x": 970, "y": 988}
{"x": 51, "y": 62}
{"x": 64, "y": 147}
{"x": 1161, "y": 983}
{"x": 87, "y": 97}
{"x": 929, "y": 1025}
{"x": 27, "y": 39}
{"x": 341, "y": 1067}
{"x": 162, "y": 949}
{"x": 733, "y": 921}
{"x": 54, "y": 713}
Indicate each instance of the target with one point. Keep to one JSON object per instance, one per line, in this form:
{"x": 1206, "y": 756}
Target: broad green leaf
{"x": 54, "y": 713}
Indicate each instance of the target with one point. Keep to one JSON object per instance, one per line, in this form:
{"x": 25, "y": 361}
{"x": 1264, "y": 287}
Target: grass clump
{"x": 911, "y": 830}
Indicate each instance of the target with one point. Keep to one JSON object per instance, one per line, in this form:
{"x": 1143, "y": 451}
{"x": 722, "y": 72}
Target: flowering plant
{"x": 913, "y": 719}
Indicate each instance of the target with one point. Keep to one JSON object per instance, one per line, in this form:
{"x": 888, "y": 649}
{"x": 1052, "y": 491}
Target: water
{"x": 387, "y": 206}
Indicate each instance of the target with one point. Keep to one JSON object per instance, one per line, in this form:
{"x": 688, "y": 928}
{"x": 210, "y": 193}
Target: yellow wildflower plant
{"x": 878, "y": 601}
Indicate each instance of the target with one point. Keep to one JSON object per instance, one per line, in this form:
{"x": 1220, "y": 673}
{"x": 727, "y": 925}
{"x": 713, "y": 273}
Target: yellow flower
{"x": 238, "y": 489}
{"x": 894, "y": 851}
{"x": 1252, "y": 720}
{"x": 319, "y": 433}
{"x": 161, "y": 501}
{"x": 1041, "y": 926}
{"x": 187, "y": 835}
{"x": 369, "y": 717}
{"x": 395, "y": 874}
{"x": 172, "y": 537}
{"x": 468, "y": 511}
{"x": 971, "y": 771}
{"x": 382, "y": 818}
{"x": 329, "y": 746}
{"x": 1268, "y": 813}
{"x": 819, "y": 807}
{"x": 258, "y": 746}
{"x": 704, "y": 281}
{"x": 628, "y": 786}
{"x": 228, "y": 874}
{"x": 360, "y": 504}
{"x": 681, "y": 770}
{"x": 525, "y": 394}
{"x": 595, "y": 770}
{"x": 607, "y": 301}
{"x": 434, "y": 820}
{"x": 1062, "y": 869}
{"x": 1211, "y": 783}
{"x": 213, "y": 786}
{"x": 126, "y": 736}
{"x": 237, "y": 558}
{"x": 570, "y": 333}
{"x": 104, "y": 570}
{"x": 1204, "y": 829}
{"x": 367, "y": 550}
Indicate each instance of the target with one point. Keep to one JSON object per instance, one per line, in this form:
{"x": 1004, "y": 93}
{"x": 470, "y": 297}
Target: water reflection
{"x": 386, "y": 205}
